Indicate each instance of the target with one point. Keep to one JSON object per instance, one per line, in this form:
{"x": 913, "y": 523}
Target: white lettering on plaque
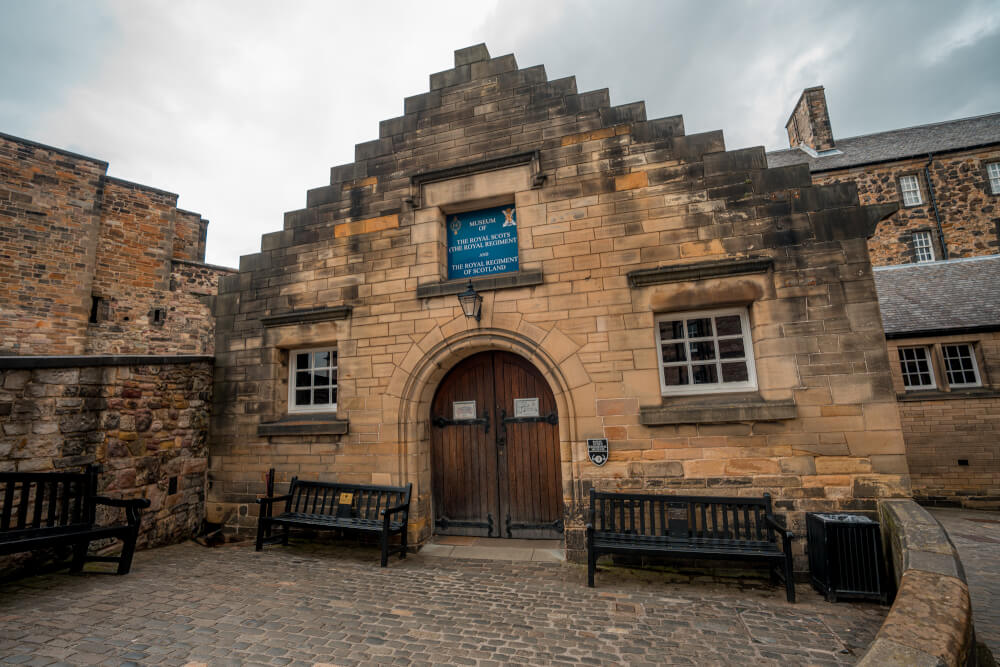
{"x": 525, "y": 407}
{"x": 463, "y": 410}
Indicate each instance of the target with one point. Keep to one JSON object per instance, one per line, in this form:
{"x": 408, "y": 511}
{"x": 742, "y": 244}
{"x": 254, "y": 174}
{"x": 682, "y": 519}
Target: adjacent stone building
{"x": 106, "y": 332}
{"x": 942, "y": 322}
{"x": 944, "y": 176}
{"x": 93, "y": 264}
{"x": 714, "y": 319}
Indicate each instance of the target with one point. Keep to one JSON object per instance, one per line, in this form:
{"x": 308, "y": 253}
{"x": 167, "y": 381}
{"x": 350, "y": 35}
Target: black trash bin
{"x": 845, "y": 557}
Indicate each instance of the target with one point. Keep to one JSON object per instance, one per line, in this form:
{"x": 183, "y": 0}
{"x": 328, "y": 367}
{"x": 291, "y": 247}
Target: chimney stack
{"x": 809, "y": 124}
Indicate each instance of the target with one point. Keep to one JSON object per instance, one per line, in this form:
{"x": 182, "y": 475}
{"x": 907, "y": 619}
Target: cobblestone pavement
{"x": 976, "y": 535}
{"x": 308, "y": 604}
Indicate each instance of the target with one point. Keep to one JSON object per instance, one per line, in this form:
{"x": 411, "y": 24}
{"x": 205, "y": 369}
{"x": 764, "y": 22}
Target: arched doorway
{"x": 495, "y": 450}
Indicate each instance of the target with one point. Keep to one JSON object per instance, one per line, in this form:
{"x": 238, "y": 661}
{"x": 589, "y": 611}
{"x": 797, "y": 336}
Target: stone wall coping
{"x": 481, "y": 284}
{"x": 699, "y": 271}
{"x": 203, "y": 265}
{"x": 307, "y": 316}
{"x": 323, "y": 424}
{"x": 955, "y": 394}
{"x": 930, "y": 622}
{"x": 717, "y": 411}
{"x": 91, "y": 360}
{"x": 54, "y": 149}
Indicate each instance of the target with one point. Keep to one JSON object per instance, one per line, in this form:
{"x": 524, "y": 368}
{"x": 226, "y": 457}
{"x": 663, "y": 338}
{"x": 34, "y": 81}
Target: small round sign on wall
{"x": 597, "y": 450}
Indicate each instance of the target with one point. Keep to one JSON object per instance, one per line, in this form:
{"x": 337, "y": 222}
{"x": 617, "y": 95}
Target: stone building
{"x": 94, "y": 264}
{"x": 946, "y": 179}
{"x": 942, "y": 322}
{"x": 106, "y": 332}
{"x": 715, "y": 320}
{"x": 944, "y": 176}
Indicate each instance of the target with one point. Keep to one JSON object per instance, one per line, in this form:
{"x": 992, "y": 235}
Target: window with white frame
{"x": 960, "y": 366}
{"x": 915, "y": 363}
{"x": 707, "y": 351}
{"x": 993, "y": 172}
{"x": 312, "y": 384}
{"x": 910, "y": 189}
{"x": 923, "y": 246}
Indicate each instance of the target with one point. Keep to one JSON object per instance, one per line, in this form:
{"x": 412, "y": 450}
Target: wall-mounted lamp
{"x": 472, "y": 302}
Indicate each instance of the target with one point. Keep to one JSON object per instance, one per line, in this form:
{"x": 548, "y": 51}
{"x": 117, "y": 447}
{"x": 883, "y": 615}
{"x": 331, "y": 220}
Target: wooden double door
{"x": 495, "y": 451}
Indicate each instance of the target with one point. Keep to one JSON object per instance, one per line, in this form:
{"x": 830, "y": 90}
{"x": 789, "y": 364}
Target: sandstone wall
{"x": 49, "y": 226}
{"x": 145, "y": 424}
{"x": 95, "y": 264}
{"x": 953, "y": 437}
{"x": 970, "y": 215}
{"x": 601, "y": 194}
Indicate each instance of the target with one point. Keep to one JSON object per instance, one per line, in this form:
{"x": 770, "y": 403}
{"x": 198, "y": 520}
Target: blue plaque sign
{"x": 482, "y": 242}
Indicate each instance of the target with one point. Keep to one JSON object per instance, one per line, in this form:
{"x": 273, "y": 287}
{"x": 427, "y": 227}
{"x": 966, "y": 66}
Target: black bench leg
{"x": 591, "y": 557}
{"x": 79, "y": 556}
{"x": 128, "y": 551}
{"x": 789, "y": 573}
{"x": 384, "y": 542}
{"x": 260, "y": 534}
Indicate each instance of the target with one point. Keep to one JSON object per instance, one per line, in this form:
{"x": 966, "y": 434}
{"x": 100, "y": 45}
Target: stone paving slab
{"x": 307, "y": 604}
{"x": 976, "y": 535}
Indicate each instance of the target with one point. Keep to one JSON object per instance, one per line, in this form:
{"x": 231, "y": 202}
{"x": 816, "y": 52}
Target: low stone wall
{"x": 930, "y": 622}
{"x": 144, "y": 419}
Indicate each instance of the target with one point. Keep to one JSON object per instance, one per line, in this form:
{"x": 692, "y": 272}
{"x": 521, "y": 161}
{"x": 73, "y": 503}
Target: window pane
{"x": 671, "y": 330}
{"x": 302, "y": 360}
{"x": 333, "y": 357}
{"x": 699, "y": 328}
{"x": 333, "y": 396}
{"x": 994, "y": 172}
{"x": 321, "y": 378}
{"x": 960, "y": 365}
{"x": 702, "y": 351}
{"x": 915, "y": 366}
{"x": 321, "y": 359}
{"x": 302, "y": 397}
{"x": 321, "y": 396}
{"x": 735, "y": 372}
{"x": 675, "y": 375}
{"x": 302, "y": 379}
{"x": 728, "y": 325}
{"x": 704, "y": 374}
{"x": 673, "y": 352}
{"x": 731, "y": 349}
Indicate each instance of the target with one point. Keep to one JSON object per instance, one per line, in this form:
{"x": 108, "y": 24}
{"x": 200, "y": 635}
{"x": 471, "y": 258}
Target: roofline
{"x": 939, "y": 262}
{"x": 957, "y": 331}
{"x": 799, "y": 99}
{"x": 855, "y": 165}
{"x": 917, "y": 127}
{"x": 54, "y": 149}
{"x": 139, "y": 186}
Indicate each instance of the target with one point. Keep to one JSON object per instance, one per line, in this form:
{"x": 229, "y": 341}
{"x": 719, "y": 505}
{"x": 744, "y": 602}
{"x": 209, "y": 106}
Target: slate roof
{"x": 897, "y": 144}
{"x": 924, "y": 299}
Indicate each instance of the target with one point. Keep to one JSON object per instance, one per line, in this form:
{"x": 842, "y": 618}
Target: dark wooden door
{"x": 496, "y": 468}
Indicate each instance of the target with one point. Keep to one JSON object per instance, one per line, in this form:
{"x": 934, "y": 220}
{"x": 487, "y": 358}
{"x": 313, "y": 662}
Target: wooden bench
{"x": 688, "y": 527}
{"x": 52, "y": 509}
{"x": 334, "y": 506}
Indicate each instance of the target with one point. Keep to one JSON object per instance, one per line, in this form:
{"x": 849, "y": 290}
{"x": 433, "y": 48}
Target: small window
{"x": 158, "y": 316}
{"x": 915, "y": 363}
{"x": 705, "y": 352}
{"x": 960, "y": 366}
{"x": 993, "y": 172}
{"x": 96, "y": 306}
{"x": 910, "y": 188}
{"x": 923, "y": 247}
{"x": 312, "y": 384}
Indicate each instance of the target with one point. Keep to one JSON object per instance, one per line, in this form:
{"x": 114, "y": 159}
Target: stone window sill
{"x": 729, "y": 409}
{"x": 481, "y": 284}
{"x": 320, "y": 424}
{"x": 953, "y": 395}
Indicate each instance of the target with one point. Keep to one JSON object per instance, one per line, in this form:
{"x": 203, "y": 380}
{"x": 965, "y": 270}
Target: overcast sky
{"x": 241, "y": 106}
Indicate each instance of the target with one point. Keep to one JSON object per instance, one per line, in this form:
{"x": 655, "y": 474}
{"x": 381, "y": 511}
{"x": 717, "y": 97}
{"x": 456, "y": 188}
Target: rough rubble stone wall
{"x": 608, "y": 192}
{"x": 143, "y": 424}
{"x": 810, "y": 121}
{"x": 49, "y": 220}
{"x": 970, "y": 214}
{"x": 941, "y": 428}
{"x": 69, "y": 233}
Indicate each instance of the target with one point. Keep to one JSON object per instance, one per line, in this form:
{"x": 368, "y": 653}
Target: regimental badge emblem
{"x": 456, "y": 225}
{"x": 508, "y": 215}
{"x": 597, "y": 450}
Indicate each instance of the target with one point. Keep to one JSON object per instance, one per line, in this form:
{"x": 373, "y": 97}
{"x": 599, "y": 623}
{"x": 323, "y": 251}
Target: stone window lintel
{"x": 750, "y": 407}
{"x": 304, "y": 424}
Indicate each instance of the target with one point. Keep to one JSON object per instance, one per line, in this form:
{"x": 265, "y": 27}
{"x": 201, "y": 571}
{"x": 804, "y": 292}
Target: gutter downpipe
{"x": 937, "y": 214}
